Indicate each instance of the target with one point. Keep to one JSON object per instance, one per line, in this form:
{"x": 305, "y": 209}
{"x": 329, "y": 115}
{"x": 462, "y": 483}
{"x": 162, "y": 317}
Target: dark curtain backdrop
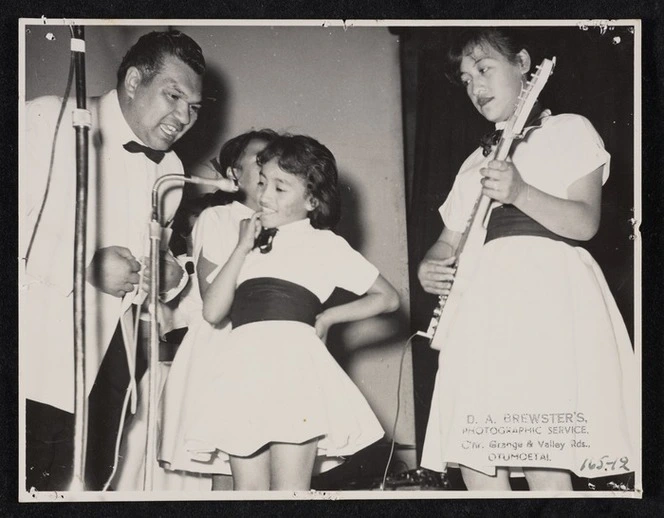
{"x": 593, "y": 77}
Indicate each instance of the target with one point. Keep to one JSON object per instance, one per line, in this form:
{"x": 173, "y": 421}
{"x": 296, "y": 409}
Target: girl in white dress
{"x": 214, "y": 238}
{"x": 280, "y": 399}
{"x": 537, "y": 371}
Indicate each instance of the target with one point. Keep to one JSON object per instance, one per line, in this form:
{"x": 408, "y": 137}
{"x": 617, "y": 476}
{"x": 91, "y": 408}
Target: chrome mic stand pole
{"x": 153, "y": 349}
{"x": 153, "y": 301}
{"x": 82, "y": 121}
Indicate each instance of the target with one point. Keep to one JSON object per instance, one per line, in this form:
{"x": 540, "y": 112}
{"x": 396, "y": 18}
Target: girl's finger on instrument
{"x": 435, "y": 277}
{"x": 447, "y": 263}
{"x": 487, "y": 177}
{"x": 499, "y": 165}
{"x": 434, "y": 268}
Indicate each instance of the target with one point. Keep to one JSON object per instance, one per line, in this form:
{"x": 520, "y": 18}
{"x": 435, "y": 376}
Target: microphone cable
{"x": 65, "y": 98}
{"x": 396, "y": 415}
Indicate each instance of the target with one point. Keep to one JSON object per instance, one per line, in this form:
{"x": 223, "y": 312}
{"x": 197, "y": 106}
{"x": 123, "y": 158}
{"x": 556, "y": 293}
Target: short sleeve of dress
{"x": 208, "y": 235}
{"x": 451, "y": 210}
{"x": 348, "y": 268}
{"x": 576, "y": 148}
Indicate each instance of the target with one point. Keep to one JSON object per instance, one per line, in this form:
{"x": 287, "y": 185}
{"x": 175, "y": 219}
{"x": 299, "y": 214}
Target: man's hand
{"x": 113, "y": 270}
{"x": 170, "y": 272}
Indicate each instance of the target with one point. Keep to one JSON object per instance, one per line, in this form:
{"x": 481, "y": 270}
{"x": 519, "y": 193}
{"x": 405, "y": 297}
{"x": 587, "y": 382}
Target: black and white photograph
{"x": 277, "y": 259}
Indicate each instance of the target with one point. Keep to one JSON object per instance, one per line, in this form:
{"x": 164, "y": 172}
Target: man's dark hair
{"x": 148, "y": 53}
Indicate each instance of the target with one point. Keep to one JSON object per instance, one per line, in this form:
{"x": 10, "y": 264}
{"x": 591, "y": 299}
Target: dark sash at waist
{"x": 507, "y": 221}
{"x": 267, "y": 298}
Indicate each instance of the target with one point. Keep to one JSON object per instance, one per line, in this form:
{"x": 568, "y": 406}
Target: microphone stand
{"x": 82, "y": 122}
{"x": 153, "y": 300}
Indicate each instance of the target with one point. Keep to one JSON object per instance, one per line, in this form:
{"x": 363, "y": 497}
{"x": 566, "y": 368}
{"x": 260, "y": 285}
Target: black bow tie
{"x": 492, "y": 138}
{"x": 153, "y": 154}
{"x": 264, "y": 240}
{"x": 489, "y": 140}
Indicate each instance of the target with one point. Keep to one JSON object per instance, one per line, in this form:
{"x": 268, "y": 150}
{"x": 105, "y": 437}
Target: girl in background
{"x": 214, "y": 238}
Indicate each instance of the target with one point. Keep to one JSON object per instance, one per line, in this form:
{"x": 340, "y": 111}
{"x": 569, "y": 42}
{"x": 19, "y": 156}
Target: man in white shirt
{"x": 133, "y": 128}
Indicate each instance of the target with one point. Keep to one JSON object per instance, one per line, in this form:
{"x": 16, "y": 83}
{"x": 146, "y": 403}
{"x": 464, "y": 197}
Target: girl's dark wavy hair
{"x": 229, "y": 155}
{"x": 232, "y": 150}
{"x": 508, "y": 41}
{"x": 310, "y": 160}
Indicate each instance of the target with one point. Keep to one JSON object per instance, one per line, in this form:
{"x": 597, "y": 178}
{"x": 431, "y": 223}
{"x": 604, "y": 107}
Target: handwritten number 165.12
{"x": 605, "y": 461}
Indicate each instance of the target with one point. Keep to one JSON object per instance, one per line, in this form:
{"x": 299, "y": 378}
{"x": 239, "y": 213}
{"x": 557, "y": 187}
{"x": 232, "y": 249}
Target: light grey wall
{"x": 47, "y": 57}
{"x": 338, "y": 86}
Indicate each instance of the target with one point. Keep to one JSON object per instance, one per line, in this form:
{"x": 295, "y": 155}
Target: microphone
{"x": 222, "y": 184}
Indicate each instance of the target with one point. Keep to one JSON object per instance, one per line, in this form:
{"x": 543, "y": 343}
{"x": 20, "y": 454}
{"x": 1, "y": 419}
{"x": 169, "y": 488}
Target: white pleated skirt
{"x": 277, "y": 382}
{"x": 538, "y": 369}
{"x": 194, "y": 367}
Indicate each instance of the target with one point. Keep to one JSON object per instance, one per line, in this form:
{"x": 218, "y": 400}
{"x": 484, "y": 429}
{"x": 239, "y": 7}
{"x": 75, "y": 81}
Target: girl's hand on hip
{"x": 322, "y": 326}
{"x": 501, "y": 181}
{"x": 437, "y": 275}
